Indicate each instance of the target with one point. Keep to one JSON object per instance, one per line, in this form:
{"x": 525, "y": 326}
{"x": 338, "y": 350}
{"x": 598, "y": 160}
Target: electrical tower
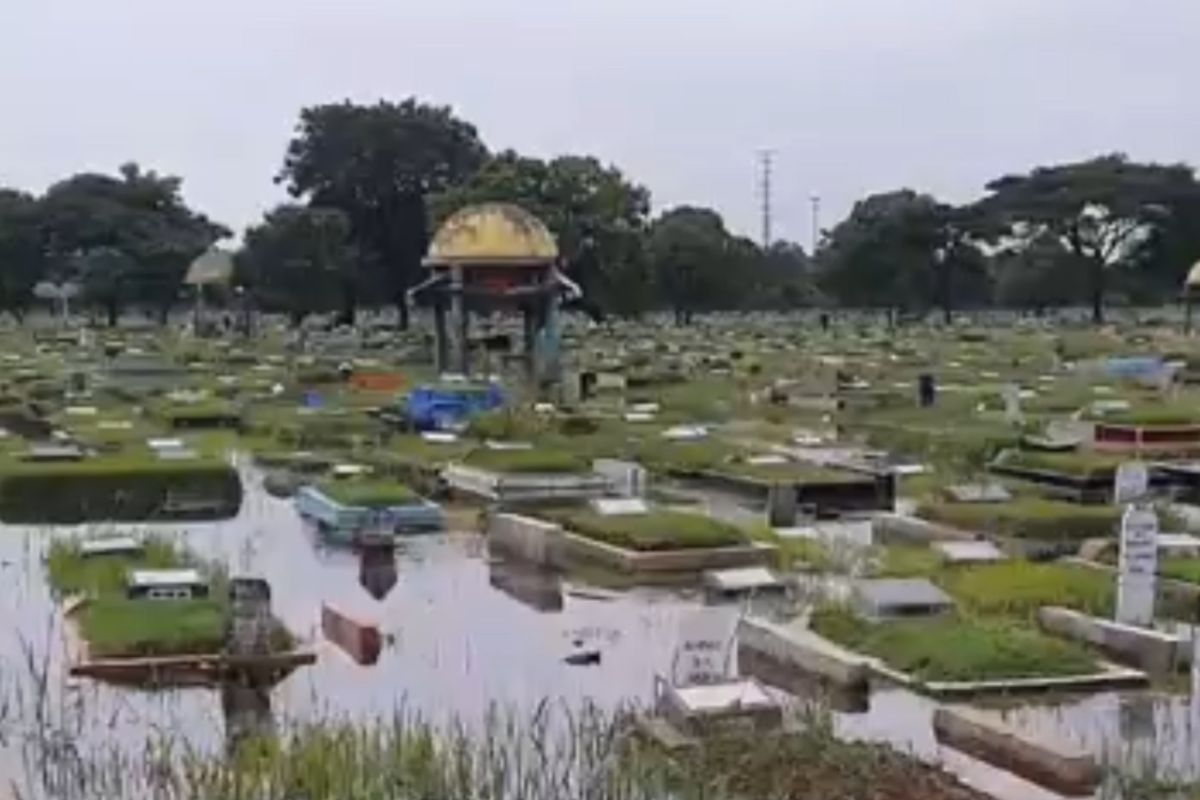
{"x": 765, "y": 162}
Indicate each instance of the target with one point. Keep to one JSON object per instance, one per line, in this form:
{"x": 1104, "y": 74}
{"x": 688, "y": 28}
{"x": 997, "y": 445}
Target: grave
{"x": 892, "y": 598}
{"x": 980, "y": 552}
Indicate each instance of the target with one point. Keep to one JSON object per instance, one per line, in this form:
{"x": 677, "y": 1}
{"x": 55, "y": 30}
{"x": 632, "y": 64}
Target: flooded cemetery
{"x": 965, "y": 556}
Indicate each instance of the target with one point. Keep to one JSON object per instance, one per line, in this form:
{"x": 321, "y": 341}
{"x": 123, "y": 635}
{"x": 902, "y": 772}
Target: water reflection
{"x": 377, "y": 570}
{"x": 247, "y": 713}
{"x": 534, "y": 588}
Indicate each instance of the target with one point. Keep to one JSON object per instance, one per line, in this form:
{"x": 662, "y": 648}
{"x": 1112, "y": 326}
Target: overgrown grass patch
{"x": 71, "y": 572}
{"x": 955, "y": 649}
{"x": 656, "y": 531}
{"x": 371, "y": 493}
{"x": 118, "y": 627}
{"x": 1026, "y": 518}
{"x": 1020, "y": 588}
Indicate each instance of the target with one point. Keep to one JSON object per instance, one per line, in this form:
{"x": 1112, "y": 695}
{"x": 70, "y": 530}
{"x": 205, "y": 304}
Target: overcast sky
{"x": 855, "y": 96}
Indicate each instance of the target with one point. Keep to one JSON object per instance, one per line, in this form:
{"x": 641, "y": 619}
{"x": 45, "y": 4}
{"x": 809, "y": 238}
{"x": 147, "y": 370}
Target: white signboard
{"x": 704, "y": 653}
{"x": 1131, "y": 482}
{"x": 1138, "y": 565}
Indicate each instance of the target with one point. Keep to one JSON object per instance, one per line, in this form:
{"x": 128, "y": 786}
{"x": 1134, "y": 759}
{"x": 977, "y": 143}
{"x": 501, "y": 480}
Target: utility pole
{"x": 816, "y": 222}
{"x": 765, "y": 162}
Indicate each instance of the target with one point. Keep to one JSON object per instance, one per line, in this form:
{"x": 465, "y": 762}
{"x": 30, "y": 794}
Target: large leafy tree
{"x": 378, "y": 164}
{"x": 1102, "y": 211}
{"x": 298, "y": 261}
{"x": 128, "y": 239}
{"x": 598, "y": 216}
{"x": 690, "y": 256}
{"x": 901, "y": 250}
{"x": 22, "y": 255}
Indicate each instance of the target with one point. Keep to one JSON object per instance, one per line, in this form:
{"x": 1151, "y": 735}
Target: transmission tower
{"x": 765, "y": 158}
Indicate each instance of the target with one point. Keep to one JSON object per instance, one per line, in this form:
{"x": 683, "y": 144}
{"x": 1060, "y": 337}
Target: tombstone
{"x": 782, "y": 505}
{"x": 250, "y": 621}
{"x": 1138, "y": 565}
{"x": 981, "y": 552}
{"x": 926, "y": 390}
{"x": 892, "y": 598}
{"x": 1012, "y": 403}
{"x": 1131, "y": 482}
{"x": 704, "y": 652}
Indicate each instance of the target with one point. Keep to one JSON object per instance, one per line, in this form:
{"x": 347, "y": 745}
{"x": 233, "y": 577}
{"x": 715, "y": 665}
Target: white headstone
{"x": 704, "y": 651}
{"x": 619, "y": 506}
{"x": 1138, "y": 566}
{"x": 628, "y": 479}
{"x": 1131, "y": 482}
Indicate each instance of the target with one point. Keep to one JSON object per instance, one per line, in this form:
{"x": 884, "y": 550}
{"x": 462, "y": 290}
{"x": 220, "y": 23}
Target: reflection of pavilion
{"x": 489, "y": 257}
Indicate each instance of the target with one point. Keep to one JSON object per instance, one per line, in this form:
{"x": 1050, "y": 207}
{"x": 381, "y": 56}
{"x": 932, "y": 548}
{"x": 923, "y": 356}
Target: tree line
{"x": 369, "y": 184}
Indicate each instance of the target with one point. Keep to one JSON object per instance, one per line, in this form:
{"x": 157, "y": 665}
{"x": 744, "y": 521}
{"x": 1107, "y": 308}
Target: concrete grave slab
{"x": 890, "y": 598}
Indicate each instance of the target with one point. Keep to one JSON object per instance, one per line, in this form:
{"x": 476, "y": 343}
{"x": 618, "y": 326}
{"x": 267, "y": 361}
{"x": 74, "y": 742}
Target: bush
{"x": 656, "y": 531}
{"x": 952, "y": 649}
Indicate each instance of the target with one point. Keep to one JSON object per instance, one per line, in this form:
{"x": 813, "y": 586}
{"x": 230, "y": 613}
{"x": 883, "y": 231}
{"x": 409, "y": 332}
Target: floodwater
{"x": 462, "y": 632}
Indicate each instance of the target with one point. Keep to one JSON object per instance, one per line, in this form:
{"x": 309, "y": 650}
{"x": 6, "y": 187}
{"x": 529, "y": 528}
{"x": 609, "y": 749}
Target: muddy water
{"x": 462, "y": 633}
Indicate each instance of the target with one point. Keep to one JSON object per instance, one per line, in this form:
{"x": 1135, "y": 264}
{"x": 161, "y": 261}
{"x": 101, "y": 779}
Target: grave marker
{"x": 704, "y": 651}
{"x": 1131, "y": 482}
{"x": 1138, "y": 566}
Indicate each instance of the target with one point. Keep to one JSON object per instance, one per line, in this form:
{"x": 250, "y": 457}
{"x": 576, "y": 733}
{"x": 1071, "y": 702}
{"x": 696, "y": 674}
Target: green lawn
{"x": 952, "y": 649}
{"x": 655, "y": 531}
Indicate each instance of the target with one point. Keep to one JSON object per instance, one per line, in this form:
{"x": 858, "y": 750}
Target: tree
{"x": 783, "y": 278}
{"x": 1100, "y": 210}
{"x": 298, "y": 261}
{"x": 22, "y": 255}
{"x": 378, "y": 164}
{"x": 128, "y": 239}
{"x": 689, "y": 258}
{"x": 596, "y": 214}
{"x": 1044, "y": 274}
{"x": 901, "y": 251}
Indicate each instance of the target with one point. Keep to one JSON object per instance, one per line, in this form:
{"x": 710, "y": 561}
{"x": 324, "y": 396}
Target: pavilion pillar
{"x": 529, "y": 351}
{"x": 456, "y": 356}
{"x": 439, "y": 336}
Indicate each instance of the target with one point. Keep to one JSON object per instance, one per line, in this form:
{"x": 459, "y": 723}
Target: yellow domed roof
{"x": 492, "y": 233}
{"x": 1192, "y": 281}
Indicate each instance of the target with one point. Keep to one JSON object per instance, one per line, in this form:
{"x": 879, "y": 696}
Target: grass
{"x": 1076, "y": 464}
{"x": 1019, "y": 588}
{"x": 655, "y": 531}
{"x": 906, "y": 561}
{"x": 117, "y": 627}
{"x": 536, "y": 460}
{"x": 369, "y": 493}
{"x": 71, "y": 573}
{"x": 1026, "y": 518}
{"x": 1181, "y": 569}
{"x": 954, "y": 649}
{"x": 1150, "y": 415}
